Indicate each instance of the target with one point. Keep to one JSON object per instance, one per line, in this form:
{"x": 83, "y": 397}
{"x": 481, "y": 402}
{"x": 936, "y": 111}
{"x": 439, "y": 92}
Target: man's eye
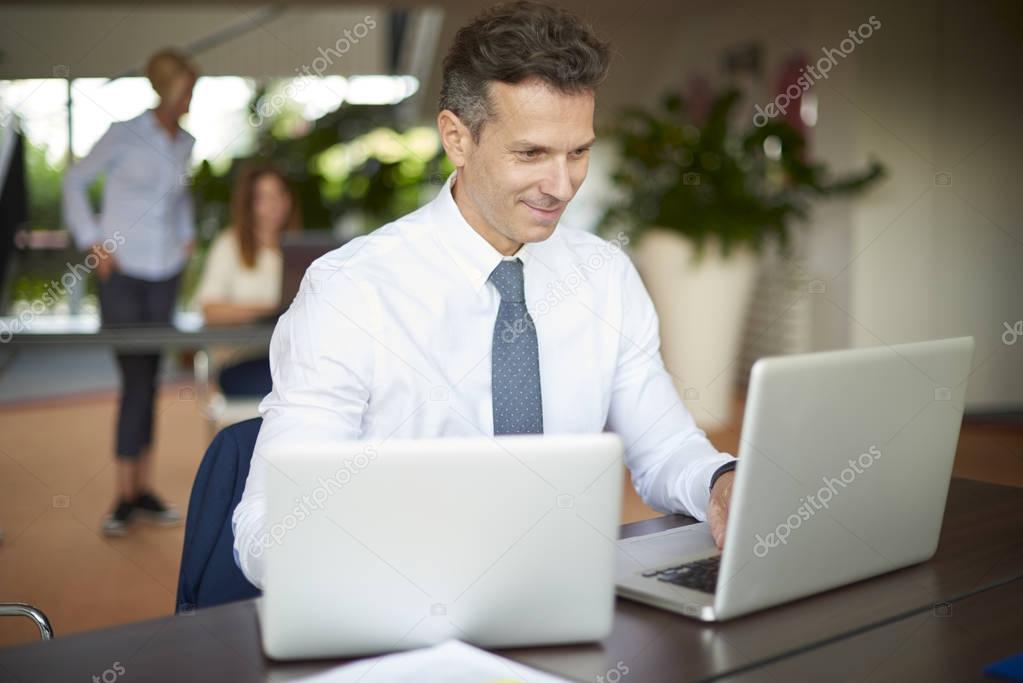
{"x": 581, "y": 152}
{"x": 530, "y": 154}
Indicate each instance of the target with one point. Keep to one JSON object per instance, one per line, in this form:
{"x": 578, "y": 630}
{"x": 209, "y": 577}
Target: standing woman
{"x": 141, "y": 242}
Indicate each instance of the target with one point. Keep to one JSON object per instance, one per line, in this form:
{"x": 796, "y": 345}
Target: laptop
{"x": 501, "y": 542}
{"x": 298, "y": 251}
{"x": 844, "y": 467}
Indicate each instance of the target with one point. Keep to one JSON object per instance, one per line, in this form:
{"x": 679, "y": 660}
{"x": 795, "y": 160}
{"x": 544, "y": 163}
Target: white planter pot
{"x": 701, "y": 306}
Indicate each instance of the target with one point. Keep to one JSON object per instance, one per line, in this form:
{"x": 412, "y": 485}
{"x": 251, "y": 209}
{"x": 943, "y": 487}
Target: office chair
{"x": 209, "y": 575}
{"x": 219, "y": 410}
{"x": 21, "y": 609}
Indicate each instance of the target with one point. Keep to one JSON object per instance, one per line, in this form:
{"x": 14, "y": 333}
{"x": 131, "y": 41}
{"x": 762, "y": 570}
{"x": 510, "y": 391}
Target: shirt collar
{"x": 473, "y": 255}
{"x": 149, "y": 120}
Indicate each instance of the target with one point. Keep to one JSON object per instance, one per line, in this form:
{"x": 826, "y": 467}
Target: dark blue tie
{"x": 515, "y": 361}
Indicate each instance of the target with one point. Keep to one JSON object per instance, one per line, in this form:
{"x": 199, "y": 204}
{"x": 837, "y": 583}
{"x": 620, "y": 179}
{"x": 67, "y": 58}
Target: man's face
{"x": 530, "y": 160}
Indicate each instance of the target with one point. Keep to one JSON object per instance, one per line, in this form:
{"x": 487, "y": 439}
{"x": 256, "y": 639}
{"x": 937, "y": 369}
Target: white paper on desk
{"x": 651, "y": 551}
{"x": 450, "y": 662}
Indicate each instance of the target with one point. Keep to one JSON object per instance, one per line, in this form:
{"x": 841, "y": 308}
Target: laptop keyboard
{"x": 701, "y": 575}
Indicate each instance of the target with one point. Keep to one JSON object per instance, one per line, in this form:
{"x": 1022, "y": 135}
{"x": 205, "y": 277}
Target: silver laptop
{"x": 500, "y": 542}
{"x": 298, "y": 251}
{"x": 844, "y": 467}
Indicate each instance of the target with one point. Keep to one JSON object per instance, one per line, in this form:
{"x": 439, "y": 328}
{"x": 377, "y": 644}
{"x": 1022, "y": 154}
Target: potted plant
{"x": 701, "y": 200}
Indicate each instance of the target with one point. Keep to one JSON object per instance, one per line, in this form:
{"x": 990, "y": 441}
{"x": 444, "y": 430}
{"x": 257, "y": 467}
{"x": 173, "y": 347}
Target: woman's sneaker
{"x": 117, "y": 521}
{"x": 151, "y": 508}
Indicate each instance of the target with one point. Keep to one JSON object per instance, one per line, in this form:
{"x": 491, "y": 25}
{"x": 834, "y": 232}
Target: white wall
{"x": 936, "y": 89}
{"x": 940, "y": 94}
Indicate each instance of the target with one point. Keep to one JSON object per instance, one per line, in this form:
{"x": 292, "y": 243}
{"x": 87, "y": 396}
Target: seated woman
{"x": 241, "y": 280}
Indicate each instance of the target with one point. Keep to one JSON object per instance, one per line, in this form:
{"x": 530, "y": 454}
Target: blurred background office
{"x": 788, "y": 177}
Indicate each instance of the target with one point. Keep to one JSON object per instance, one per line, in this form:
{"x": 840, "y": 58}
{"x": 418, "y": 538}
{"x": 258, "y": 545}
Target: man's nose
{"x": 558, "y": 183}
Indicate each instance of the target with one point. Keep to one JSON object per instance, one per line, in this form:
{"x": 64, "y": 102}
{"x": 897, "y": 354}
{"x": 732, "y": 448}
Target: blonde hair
{"x": 171, "y": 73}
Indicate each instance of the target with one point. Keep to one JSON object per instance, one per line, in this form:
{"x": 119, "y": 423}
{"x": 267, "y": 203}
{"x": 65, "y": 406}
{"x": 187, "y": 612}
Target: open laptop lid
{"x": 384, "y": 546}
{"x": 845, "y": 463}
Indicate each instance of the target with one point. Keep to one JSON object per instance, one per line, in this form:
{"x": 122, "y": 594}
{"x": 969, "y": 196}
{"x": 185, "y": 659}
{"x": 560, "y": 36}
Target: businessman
{"x": 478, "y": 314}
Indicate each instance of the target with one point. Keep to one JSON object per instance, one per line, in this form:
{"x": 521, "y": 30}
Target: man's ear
{"x": 455, "y": 137}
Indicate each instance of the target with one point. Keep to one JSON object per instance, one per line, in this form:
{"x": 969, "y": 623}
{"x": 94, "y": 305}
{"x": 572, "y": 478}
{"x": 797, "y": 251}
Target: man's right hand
{"x": 717, "y": 507}
{"x": 106, "y": 263}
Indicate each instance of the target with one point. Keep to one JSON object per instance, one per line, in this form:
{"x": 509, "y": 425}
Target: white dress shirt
{"x": 390, "y": 336}
{"x": 146, "y": 197}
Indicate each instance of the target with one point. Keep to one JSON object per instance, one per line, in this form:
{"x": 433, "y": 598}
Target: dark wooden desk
{"x": 950, "y": 642}
{"x": 187, "y": 332}
{"x": 981, "y": 546}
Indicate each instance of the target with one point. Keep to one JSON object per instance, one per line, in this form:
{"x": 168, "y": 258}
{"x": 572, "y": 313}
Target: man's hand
{"x": 106, "y": 264}
{"x": 717, "y": 507}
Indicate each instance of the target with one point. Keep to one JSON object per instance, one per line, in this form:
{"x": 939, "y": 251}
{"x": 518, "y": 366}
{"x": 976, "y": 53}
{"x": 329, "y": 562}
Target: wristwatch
{"x": 727, "y": 467}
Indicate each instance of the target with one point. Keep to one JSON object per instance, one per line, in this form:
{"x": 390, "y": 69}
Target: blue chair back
{"x": 209, "y": 575}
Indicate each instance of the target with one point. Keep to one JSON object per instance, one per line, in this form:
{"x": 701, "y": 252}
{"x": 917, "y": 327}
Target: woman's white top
{"x": 226, "y": 279}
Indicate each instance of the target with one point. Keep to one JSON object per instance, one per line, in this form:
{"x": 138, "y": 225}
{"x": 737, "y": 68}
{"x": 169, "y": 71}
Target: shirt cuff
{"x": 86, "y": 236}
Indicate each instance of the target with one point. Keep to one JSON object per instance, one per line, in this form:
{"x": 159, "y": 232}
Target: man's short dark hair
{"x": 511, "y": 43}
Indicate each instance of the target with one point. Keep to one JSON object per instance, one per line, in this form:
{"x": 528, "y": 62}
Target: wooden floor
{"x": 56, "y": 483}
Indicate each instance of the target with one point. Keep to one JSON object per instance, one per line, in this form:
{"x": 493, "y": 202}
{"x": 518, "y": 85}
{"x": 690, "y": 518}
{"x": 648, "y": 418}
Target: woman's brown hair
{"x": 241, "y": 207}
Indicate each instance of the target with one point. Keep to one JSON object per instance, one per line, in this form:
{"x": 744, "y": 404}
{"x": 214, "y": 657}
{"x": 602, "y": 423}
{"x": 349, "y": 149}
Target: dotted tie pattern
{"x": 515, "y": 361}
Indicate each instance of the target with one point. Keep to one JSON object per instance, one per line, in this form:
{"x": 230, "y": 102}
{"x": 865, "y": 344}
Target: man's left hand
{"x": 717, "y": 507}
